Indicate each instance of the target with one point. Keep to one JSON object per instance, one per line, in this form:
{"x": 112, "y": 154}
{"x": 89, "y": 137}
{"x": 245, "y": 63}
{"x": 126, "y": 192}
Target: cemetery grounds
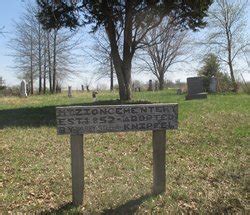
{"x": 206, "y": 158}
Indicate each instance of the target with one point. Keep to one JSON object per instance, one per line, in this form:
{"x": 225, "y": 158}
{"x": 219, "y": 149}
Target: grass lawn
{"x": 207, "y": 168}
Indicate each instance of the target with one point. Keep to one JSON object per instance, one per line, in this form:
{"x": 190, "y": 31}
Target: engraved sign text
{"x": 114, "y": 118}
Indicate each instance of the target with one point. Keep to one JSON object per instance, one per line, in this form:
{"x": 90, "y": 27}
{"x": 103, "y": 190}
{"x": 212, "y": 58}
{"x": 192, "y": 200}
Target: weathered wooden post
{"x": 77, "y": 168}
{"x": 159, "y": 161}
{"x": 80, "y": 120}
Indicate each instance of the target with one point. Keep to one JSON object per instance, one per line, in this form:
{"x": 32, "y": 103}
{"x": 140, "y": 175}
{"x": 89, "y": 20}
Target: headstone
{"x": 80, "y": 120}
{"x": 195, "y": 88}
{"x": 1, "y": 82}
{"x": 23, "y": 90}
{"x": 213, "y": 85}
{"x": 150, "y": 85}
{"x": 69, "y": 91}
{"x": 156, "y": 85}
{"x": 179, "y": 91}
{"x": 94, "y": 93}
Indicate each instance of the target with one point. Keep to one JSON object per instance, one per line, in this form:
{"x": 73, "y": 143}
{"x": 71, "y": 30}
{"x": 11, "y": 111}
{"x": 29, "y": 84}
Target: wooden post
{"x": 159, "y": 160}
{"x": 77, "y": 168}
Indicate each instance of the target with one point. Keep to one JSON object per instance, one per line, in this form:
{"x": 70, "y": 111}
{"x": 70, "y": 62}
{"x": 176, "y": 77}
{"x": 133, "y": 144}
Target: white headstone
{"x": 213, "y": 85}
{"x": 1, "y": 81}
{"x": 23, "y": 89}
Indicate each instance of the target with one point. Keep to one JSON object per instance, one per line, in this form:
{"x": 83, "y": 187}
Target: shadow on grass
{"x": 129, "y": 207}
{"x": 44, "y": 116}
{"x": 67, "y": 207}
{"x": 30, "y": 116}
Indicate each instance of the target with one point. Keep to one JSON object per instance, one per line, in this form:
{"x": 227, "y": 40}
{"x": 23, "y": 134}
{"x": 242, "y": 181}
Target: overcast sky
{"x": 11, "y": 10}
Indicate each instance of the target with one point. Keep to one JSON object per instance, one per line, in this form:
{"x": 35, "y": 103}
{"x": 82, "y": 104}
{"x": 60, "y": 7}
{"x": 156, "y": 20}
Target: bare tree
{"x": 27, "y": 46}
{"x": 247, "y": 56}
{"x": 169, "y": 48}
{"x": 48, "y": 58}
{"x": 54, "y": 60}
{"x": 22, "y": 46}
{"x": 226, "y": 34}
{"x": 87, "y": 82}
{"x": 45, "y": 62}
{"x": 38, "y": 53}
{"x": 2, "y": 30}
{"x": 100, "y": 54}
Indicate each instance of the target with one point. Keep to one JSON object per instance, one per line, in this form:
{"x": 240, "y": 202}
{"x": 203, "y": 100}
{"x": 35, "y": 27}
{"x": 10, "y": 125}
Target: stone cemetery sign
{"x": 79, "y": 120}
{"x": 195, "y": 88}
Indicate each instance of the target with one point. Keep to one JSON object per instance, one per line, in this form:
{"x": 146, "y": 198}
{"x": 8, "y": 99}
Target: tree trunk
{"x": 235, "y": 86}
{"x": 123, "y": 73}
{"x": 44, "y": 70}
{"x": 39, "y": 59}
{"x": 31, "y": 67}
{"x": 161, "y": 82}
{"x": 54, "y": 60}
{"x": 128, "y": 52}
{"x": 44, "y": 82}
{"x": 122, "y": 66}
{"x": 230, "y": 62}
{"x": 111, "y": 75}
{"x": 127, "y": 80}
{"x": 49, "y": 62}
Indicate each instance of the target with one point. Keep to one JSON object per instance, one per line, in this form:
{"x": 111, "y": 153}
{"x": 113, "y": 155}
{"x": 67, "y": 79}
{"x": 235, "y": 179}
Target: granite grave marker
{"x": 195, "y": 88}
{"x": 69, "y": 91}
{"x": 150, "y": 85}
